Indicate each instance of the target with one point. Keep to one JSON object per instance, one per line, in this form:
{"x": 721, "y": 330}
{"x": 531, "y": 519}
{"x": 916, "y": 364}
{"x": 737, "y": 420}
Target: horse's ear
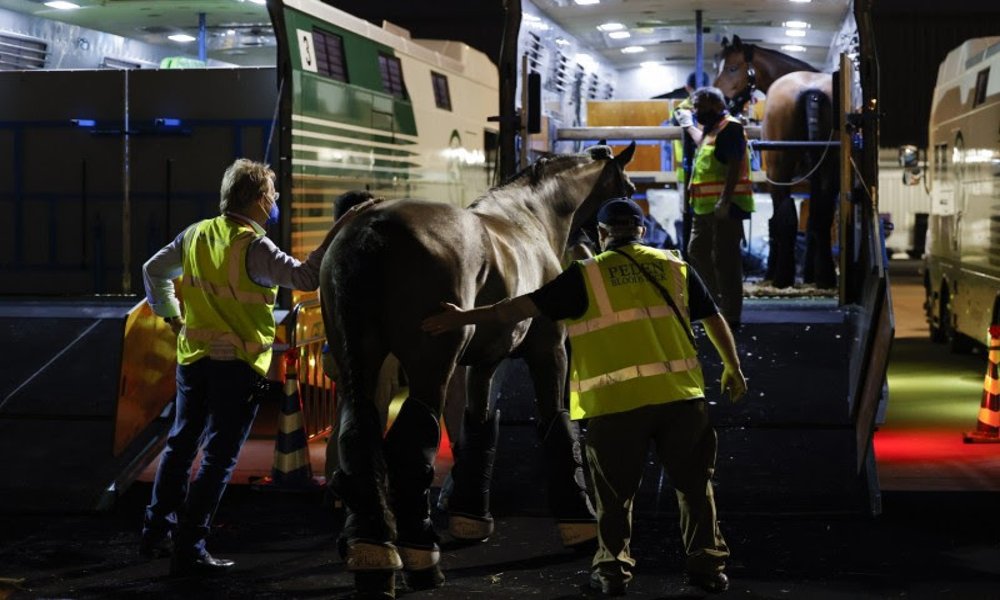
{"x": 725, "y": 42}
{"x": 626, "y": 155}
{"x": 737, "y": 42}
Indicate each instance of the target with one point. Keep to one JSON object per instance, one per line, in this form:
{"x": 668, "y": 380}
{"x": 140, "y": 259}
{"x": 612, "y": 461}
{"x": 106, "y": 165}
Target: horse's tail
{"x": 351, "y": 282}
{"x": 815, "y": 107}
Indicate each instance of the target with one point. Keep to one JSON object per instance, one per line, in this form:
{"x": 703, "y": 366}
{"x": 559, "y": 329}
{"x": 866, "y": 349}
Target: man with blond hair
{"x": 229, "y": 274}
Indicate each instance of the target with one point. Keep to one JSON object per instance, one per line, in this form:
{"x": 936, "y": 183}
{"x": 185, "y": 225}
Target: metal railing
{"x": 306, "y": 336}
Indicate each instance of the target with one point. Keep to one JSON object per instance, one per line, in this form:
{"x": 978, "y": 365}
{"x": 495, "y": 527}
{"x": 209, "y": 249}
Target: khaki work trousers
{"x": 714, "y": 252}
{"x": 685, "y": 444}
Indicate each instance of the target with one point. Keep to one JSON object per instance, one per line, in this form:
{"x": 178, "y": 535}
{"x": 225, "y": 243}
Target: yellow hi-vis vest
{"x": 630, "y": 349}
{"x": 227, "y": 316}
{"x": 708, "y": 177}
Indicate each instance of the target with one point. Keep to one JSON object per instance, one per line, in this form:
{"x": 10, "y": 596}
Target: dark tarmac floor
{"x": 924, "y": 545}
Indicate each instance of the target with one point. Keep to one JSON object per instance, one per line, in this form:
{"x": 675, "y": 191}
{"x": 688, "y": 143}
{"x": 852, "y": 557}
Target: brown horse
{"x": 386, "y": 272}
{"x": 799, "y": 107}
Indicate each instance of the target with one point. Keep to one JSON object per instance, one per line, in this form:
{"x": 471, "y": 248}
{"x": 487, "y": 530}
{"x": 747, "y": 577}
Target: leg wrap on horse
{"x": 469, "y": 503}
{"x": 783, "y": 228}
{"x": 568, "y": 498}
{"x": 361, "y": 483}
{"x": 410, "y": 448}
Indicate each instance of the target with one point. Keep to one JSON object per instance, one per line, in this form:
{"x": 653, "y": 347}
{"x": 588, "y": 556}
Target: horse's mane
{"x": 799, "y": 65}
{"x": 528, "y": 171}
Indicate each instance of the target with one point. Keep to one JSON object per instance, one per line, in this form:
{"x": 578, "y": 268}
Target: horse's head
{"x": 611, "y": 183}
{"x": 737, "y": 76}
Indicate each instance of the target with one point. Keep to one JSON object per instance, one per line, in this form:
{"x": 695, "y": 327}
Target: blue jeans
{"x": 216, "y": 405}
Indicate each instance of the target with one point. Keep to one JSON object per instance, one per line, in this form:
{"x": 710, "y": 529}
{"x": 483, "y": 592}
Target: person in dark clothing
{"x": 636, "y": 377}
{"x": 721, "y": 198}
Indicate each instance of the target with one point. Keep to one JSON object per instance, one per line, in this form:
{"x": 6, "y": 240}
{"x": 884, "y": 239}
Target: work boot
{"x": 713, "y": 582}
{"x": 469, "y": 502}
{"x": 610, "y": 578}
{"x": 568, "y": 498}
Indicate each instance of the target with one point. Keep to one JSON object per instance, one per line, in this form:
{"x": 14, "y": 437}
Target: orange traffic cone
{"x": 988, "y": 427}
{"x": 291, "y": 468}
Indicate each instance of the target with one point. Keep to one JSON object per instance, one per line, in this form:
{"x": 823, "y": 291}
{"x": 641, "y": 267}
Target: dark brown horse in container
{"x": 799, "y": 107}
{"x": 384, "y": 274}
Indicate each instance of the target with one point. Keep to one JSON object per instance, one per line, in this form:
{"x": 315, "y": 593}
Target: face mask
{"x": 272, "y": 217}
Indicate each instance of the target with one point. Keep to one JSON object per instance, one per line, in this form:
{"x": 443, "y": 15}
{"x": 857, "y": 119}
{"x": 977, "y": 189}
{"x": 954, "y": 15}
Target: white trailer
{"x": 962, "y": 275}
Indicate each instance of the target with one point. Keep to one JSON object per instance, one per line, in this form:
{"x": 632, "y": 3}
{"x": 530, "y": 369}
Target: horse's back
{"x": 394, "y": 264}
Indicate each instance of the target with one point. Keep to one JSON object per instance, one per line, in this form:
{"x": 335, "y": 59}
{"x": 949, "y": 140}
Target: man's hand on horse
{"x": 452, "y": 317}
{"x": 357, "y": 209}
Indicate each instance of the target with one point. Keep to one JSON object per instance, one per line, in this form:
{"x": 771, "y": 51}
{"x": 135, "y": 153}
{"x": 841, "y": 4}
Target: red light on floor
{"x": 927, "y": 445}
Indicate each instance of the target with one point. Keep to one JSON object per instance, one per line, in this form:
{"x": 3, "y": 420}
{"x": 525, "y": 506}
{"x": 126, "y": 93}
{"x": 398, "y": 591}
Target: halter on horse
{"x": 799, "y": 108}
{"x": 386, "y": 272}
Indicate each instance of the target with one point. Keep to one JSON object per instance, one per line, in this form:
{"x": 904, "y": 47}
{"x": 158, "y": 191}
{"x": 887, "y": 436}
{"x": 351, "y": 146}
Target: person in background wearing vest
{"x": 229, "y": 277}
{"x": 721, "y": 197}
{"x": 636, "y": 377}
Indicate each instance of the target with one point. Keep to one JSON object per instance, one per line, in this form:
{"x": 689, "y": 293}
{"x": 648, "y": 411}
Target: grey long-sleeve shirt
{"x": 267, "y": 265}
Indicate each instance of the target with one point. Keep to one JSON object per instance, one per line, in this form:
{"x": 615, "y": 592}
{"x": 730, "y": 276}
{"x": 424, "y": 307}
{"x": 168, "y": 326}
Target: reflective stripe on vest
{"x": 708, "y": 179}
{"x": 228, "y": 316}
{"x": 629, "y": 349}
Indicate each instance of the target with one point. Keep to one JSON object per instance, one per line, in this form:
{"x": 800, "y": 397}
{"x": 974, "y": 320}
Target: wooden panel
{"x": 610, "y": 113}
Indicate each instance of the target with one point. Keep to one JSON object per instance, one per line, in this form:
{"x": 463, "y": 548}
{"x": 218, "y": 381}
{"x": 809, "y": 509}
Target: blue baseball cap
{"x": 621, "y": 212}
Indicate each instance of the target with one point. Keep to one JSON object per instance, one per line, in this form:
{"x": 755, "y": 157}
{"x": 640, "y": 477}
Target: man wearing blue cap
{"x": 636, "y": 377}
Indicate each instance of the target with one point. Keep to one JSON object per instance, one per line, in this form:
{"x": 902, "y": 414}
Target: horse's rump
{"x": 799, "y": 108}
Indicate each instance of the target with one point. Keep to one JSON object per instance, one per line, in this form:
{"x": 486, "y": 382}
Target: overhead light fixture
{"x": 795, "y": 33}
{"x": 258, "y": 1}
{"x": 800, "y": 1}
{"x": 619, "y": 35}
{"x": 633, "y": 49}
{"x": 181, "y": 37}
{"x": 587, "y": 2}
{"x": 795, "y": 25}
{"x": 793, "y": 48}
{"x": 61, "y": 5}
{"x": 611, "y": 26}
{"x": 531, "y": 17}
{"x": 562, "y": 41}
{"x": 651, "y": 64}
{"x": 586, "y": 61}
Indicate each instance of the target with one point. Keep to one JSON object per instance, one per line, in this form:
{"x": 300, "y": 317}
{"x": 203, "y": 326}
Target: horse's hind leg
{"x": 469, "y": 503}
{"x": 410, "y": 449}
{"x": 368, "y": 533}
{"x": 819, "y": 267}
{"x": 545, "y": 354}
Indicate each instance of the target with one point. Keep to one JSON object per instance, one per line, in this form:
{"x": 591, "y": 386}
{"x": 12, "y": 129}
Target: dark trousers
{"x": 685, "y": 445}
{"x": 216, "y": 406}
{"x": 714, "y": 252}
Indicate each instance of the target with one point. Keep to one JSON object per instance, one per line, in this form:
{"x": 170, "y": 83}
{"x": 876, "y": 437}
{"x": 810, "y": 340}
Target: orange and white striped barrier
{"x": 988, "y": 426}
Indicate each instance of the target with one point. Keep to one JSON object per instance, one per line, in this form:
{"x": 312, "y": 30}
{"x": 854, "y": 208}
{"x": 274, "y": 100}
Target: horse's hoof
{"x": 424, "y": 579}
{"x": 470, "y": 529}
{"x": 418, "y": 559}
{"x": 375, "y": 585}
{"x": 578, "y": 535}
{"x": 366, "y": 556}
